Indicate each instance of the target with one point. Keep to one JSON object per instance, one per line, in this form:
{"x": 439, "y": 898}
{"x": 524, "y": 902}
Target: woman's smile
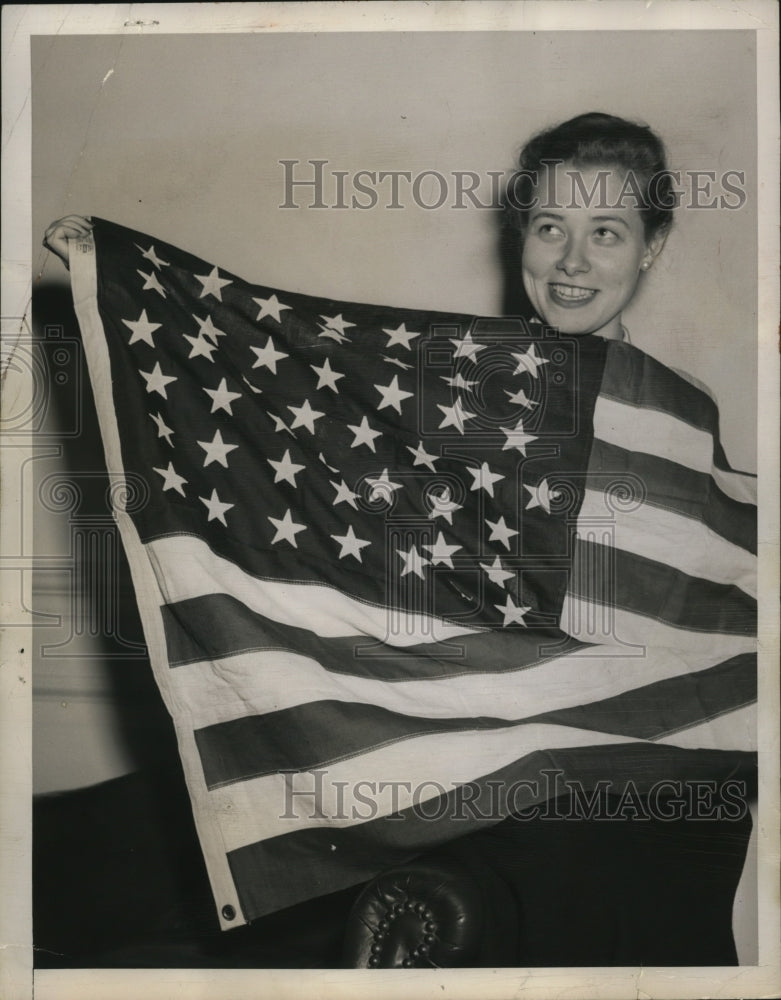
{"x": 570, "y": 296}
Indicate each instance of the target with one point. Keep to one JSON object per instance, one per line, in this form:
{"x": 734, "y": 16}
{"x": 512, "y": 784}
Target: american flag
{"x": 394, "y": 566}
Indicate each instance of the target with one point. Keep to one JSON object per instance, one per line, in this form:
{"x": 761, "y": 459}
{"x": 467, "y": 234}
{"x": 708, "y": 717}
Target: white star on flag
{"x": 401, "y": 336}
{"x": 344, "y": 494}
{"x": 152, "y": 257}
{"x": 268, "y": 356}
{"x": 392, "y": 395}
{"x": 280, "y": 425}
{"x": 287, "y": 529}
{"x": 455, "y": 416}
{"x": 364, "y": 434}
{"x": 201, "y": 347}
{"x": 330, "y": 468}
{"x": 529, "y": 362}
{"x": 212, "y": 284}
{"x": 216, "y": 450}
{"x": 541, "y": 496}
{"x": 270, "y": 307}
{"x": 413, "y": 562}
{"x": 382, "y": 488}
{"x": 422, "y": 457}
{"x": 222, "y": 397}
{"x": 459, "y": 382}
{"x": 350, "y": 544}
{"x": 500, "y": 532}
{"x": 151, "y": 283}
{"x": 208, "y": 329}
{"x": 305, "y": 416}
{"x": 285, "y": 469}
{"x": 516, "y": 437}
{"x": 142, "y": 329}
{"x": 513, "y": 614}
{"x": 171, "y": 481}
{"x": 466, "y": 348}
{"x": 216, "y": 508}
{"x": 333, "y": 335}
{"x": 336, "y": 323}
{"x": 156, "y": 381}
{"x": 163, "y": 430}
{"x": 395, "y": 361}
{"x": 326, "y": 376}
{"x": 521, "y": 398}
{"x": 253, "y": 388}
{"x": 441, "y": 552}
{"x": 443, "y": 506}
{"x": 496, "y": 572}
{"x": 484, "y": 479}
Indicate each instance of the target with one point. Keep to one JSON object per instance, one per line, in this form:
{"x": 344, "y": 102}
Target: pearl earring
{"x": 645, "y": 265}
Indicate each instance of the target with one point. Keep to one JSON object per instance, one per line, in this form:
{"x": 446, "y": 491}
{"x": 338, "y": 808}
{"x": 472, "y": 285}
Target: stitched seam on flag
{"x": 662, "y": 621}
{"x": 703, "y": 719}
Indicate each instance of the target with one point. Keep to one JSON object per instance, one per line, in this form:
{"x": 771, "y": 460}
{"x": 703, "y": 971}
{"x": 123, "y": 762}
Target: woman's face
{"x": 584, "y": 250}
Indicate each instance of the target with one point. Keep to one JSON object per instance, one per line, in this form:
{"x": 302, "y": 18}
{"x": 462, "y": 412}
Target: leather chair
{"x": 119, "y": 882}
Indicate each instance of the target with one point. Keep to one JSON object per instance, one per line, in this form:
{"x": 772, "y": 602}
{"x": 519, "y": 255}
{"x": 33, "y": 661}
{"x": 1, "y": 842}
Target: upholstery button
{"x": 429, "y": 938}
{"x": 407, "y": 963}
{"x": 423, "y": 950}
{"x": 410, "y": 906}
{"x": 228, "y": 912}
{"x": 430, "y": 926}
{"x": 383, "y": 925}
{"x": 428, "y": 915}
{"x": 376, "y": 948}
{"x": 374, "y": 961}
{"x": 421, "y": 909}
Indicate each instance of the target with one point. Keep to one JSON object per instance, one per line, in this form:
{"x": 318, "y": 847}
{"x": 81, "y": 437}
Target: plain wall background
{"x": 180, "y": 136}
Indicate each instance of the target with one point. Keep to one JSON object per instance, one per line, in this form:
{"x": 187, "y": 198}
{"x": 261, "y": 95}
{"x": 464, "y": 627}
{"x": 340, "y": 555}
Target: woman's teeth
{"x": 572, "y": 294}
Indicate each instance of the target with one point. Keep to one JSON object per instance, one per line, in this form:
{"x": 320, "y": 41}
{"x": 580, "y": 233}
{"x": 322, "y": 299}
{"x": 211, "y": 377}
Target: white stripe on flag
{"x": 591, "y": 621}
{"x": 415, "y": 770}
{"x": 186, "y": 567}
{"x": 672, "y": 539}
{"x": 266, "y": 681}
{"x": 652, "y": 432}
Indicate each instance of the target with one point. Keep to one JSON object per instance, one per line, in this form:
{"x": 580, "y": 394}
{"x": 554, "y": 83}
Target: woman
{"x": 593, "y": 204}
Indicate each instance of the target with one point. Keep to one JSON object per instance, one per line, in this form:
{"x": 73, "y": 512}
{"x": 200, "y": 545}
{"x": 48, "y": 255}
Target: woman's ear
{"x": 653, "y": 248}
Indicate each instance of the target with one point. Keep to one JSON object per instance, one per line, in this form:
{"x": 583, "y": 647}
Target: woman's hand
{"x": 56, "y": 236}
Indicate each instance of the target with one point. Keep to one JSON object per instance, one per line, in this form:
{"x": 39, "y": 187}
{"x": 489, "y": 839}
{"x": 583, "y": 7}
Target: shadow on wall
{"x": 98, "y": 651}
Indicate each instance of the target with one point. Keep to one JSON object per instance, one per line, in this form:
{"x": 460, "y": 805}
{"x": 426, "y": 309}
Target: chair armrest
{"x": 431, "y": 914}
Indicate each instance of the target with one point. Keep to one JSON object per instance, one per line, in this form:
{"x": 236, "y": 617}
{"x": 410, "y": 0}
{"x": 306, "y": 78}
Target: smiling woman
{"x": 593, "y": 200}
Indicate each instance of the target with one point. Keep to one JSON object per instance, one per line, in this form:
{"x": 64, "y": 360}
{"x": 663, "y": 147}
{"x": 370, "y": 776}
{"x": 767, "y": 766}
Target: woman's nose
{"x": 574, "y": 259}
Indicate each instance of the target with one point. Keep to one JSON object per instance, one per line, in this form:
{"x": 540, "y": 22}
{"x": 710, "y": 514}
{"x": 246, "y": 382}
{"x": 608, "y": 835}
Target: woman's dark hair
{"x": 599, "y": 140}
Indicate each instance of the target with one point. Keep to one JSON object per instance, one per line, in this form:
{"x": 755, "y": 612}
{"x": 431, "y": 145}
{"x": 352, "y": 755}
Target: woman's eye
{"x": 605, "y": 235}
{"x": 549, "y": 230}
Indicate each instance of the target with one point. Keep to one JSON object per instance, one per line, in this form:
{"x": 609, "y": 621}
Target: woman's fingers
{"x": 72, "y": 225}
{"x": 57, "y": 234}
